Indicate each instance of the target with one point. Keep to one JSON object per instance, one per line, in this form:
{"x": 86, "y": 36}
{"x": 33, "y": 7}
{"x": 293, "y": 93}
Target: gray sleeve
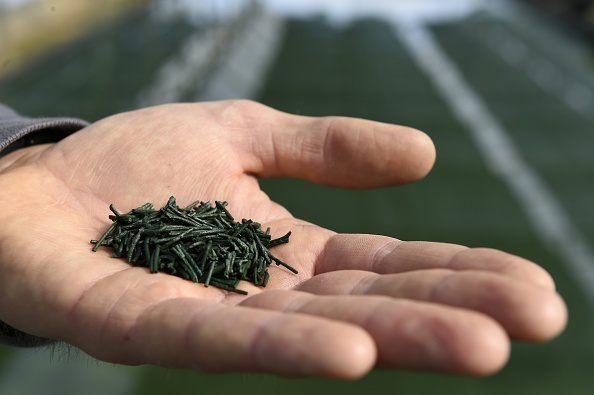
{"x": 16, "y": 132}
{"x": 14, "y": 337}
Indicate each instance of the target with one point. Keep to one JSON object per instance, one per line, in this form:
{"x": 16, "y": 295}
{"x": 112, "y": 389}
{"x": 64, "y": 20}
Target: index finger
{"x": 387, "y": 255}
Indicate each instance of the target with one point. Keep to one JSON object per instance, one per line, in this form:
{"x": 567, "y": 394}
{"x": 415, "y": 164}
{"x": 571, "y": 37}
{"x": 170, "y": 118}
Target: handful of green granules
{"x": 201, "y": 242}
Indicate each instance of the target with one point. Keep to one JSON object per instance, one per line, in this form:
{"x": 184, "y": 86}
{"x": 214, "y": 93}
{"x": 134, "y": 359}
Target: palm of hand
{"x": 58, "y": 201}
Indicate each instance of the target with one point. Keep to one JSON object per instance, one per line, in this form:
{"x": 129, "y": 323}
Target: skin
{"x": 359, "y": 301}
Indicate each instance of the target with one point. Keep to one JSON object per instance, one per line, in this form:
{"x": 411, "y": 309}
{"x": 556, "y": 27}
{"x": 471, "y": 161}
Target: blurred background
{"x": 504, "y": 88}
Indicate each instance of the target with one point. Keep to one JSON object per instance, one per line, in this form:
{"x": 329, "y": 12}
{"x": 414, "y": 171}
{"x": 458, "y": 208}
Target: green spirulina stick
{"x": 201, "y": 242}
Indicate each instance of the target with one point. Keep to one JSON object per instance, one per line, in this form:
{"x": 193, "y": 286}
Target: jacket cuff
{"x": 14, "y": 337}
{"x": 17, "y": 131}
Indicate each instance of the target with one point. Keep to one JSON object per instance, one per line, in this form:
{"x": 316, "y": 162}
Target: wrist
{"x": 21, "y": 156}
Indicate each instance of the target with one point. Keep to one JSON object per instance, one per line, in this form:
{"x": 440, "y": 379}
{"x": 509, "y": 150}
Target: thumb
{"x": 334, "y": 151}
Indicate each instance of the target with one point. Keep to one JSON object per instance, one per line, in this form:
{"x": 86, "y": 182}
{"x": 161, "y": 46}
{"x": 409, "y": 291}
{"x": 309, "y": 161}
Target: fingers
{"x": 515, "y": 292}
{"x": 526, "y": 311}
{"x": 175, "y": 323}
{"x": 335, "y": 151}
{"x": 408, "y": 335}
{"x": 386, "y": 255}
{"x": 189, "y": 333}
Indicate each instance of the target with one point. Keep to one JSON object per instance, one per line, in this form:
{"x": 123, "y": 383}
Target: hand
{"x": 358, "y": 302}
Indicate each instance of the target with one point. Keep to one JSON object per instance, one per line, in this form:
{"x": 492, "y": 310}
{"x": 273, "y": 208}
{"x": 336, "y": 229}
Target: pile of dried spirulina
{"x": 201, "y": 242}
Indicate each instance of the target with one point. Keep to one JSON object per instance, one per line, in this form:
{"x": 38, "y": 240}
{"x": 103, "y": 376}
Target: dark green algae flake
{"x": 201, "y": 242}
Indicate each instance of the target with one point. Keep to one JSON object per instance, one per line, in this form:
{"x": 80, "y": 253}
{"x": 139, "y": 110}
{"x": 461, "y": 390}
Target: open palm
{"x": 358, "y": 302}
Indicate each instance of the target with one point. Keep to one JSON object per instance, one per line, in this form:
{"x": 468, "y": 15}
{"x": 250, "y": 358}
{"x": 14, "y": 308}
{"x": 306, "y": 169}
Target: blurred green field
{"x": 363, "y": 70}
